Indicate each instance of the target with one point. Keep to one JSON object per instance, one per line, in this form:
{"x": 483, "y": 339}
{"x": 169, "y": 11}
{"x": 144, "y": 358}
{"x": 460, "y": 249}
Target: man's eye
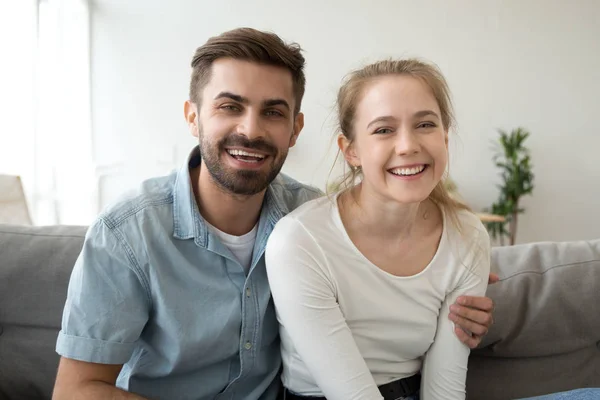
{"x": 229, "y": 107}
{"x": 273, "y": 113}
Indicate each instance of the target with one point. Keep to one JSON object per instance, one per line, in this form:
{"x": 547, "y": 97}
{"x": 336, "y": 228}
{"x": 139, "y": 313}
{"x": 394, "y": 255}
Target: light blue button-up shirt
{"x": 155, "y": 290}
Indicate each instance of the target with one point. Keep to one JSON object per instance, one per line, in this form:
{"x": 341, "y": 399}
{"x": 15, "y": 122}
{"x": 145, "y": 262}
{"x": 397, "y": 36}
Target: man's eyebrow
{"x": 232, "y": 96}
{"x": 276, "y": 102}
{"x": 245, "y": 100}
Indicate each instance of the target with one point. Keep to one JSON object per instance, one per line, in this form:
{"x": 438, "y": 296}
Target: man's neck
{"x": 230, "y": 213}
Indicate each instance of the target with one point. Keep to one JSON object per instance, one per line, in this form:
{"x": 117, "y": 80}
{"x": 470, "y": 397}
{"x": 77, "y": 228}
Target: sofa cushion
{"x": 547, "y": 322}
{"x": 35, "y": 266}
{"x": 546, "y": 337}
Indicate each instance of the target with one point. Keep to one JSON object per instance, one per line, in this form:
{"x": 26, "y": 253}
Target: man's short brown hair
{"x": 249, "y": 45}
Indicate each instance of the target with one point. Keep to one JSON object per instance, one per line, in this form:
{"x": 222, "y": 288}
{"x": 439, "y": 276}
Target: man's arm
{"x": 106, "y": 309}
{"x": 88, "y": 381}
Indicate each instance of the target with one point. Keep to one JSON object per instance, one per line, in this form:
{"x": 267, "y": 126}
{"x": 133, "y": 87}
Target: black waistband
{"x": 390, "y": 391}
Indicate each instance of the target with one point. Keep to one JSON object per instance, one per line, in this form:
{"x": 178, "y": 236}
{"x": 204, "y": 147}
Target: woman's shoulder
{"x": 469, "y": 226}
{"x": 312, "y": 211}
{"x": 467, "y": 237}
{"x": 299, "y": 236}
{"x": 305, "y": 219}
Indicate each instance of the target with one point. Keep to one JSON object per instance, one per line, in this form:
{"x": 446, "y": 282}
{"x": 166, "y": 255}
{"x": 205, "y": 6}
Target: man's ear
{"x": 190, "y": 111}
{"x": 298, "y": 125}
{"x": 348, "y": 150}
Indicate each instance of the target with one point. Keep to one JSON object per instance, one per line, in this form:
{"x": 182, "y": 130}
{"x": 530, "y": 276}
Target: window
{"x": 45, "y": 125}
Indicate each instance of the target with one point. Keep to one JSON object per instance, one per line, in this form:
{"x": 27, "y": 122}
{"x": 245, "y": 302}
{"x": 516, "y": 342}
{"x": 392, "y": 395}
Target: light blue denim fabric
{"x": 579, "y": 394}
{"x": 153, "y": 289}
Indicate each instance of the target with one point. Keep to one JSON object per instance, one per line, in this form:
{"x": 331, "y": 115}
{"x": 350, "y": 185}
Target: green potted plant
{"x": 514, "y": 161}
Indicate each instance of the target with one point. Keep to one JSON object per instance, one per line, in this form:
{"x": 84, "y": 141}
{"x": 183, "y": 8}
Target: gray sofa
{"x": 546, "y": 337}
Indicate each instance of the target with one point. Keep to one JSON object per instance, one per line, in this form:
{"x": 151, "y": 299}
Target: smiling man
{"x": 169, "y": 298}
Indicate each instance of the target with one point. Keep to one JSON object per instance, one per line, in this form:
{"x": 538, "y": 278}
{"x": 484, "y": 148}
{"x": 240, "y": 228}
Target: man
{"x": 169, "y": 297}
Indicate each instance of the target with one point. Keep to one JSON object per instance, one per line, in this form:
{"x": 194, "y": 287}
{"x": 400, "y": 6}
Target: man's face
{"x": 245, "y": 124}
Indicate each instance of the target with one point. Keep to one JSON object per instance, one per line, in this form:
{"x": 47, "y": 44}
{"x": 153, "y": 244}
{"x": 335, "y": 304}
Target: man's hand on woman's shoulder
{"x": 473, "y": 317}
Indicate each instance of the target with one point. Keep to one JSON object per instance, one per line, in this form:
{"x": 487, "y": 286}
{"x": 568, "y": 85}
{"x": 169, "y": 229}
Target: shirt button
{"x": 248, "y": 345}
{"x": 248, "y": 292}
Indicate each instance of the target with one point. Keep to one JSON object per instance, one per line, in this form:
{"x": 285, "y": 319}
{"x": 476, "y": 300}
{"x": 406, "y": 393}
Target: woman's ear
{"x": 348, "y": 150}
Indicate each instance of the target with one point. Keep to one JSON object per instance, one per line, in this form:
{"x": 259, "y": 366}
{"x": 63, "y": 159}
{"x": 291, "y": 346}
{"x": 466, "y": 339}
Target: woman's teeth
{"x": 408, "y": 171}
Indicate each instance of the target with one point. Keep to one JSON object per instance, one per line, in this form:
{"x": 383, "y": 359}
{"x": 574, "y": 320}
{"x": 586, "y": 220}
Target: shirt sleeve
{"x": 107, "y": 303}
{"x": 444, "y": 370}
{"x": 308, "y": 311}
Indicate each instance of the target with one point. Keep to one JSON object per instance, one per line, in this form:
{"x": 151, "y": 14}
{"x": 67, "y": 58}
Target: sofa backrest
{"x": 546, "y": 335}
{"x": 35, "y": 266}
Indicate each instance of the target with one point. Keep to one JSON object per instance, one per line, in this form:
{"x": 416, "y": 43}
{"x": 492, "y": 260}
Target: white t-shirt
{"x": 242, "y": 247}
{"x": 347, "y": 326}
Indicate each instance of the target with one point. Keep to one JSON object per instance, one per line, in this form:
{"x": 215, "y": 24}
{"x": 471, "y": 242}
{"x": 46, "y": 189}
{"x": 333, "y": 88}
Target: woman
{"x": 362, "y": 281}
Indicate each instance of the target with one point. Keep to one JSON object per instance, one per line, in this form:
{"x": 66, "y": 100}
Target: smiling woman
{"x": 363, "y": 282}
{"x": 438, "y": 119}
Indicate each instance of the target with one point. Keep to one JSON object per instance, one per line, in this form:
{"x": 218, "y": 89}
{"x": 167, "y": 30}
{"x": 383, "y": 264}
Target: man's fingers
{"x": 472, "y": 317}
{"x": 493, "y": 279}
{"x": 471, "y": 341}
{"x": 478, "y": 317}
{"x": 468, "y": 325}
{"x": 480, "y": 303}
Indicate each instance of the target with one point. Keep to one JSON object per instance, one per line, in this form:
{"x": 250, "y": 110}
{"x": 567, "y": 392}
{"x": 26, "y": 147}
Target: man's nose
{"x": 250, "y": 126}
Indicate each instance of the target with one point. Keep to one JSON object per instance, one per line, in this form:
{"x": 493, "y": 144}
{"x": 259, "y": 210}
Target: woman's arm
{"x": 445, "y": 366}
{"x": 308, "y": 311}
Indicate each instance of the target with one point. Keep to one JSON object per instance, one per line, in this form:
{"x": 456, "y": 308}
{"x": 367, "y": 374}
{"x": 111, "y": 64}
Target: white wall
{"x": 532, "y": 63}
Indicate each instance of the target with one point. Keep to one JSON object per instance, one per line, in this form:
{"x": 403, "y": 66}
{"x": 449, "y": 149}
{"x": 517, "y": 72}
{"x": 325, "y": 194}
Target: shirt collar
{"x": 185, "y": 211}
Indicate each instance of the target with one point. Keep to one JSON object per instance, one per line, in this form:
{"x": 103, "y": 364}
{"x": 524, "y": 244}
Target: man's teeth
{"x": 408, "y": 171}
{"x": 245, "y": 153}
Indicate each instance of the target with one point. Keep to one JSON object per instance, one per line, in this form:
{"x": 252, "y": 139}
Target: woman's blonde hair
{"x": 350, "y": 95}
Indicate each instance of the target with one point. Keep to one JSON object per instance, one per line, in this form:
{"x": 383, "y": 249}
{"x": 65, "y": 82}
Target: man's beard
{"x": 240, "y": 182}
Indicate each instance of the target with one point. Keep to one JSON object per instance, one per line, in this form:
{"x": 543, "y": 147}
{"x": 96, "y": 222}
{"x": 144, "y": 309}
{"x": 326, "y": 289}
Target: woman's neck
{"x": 370, "y": 214}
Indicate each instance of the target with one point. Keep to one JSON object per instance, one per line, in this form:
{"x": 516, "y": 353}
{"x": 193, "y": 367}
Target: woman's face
{"x": 399, "y": 139}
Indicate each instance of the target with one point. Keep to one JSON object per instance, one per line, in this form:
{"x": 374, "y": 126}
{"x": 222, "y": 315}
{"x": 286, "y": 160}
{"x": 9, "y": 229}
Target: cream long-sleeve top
{"x": 347, "y": 326}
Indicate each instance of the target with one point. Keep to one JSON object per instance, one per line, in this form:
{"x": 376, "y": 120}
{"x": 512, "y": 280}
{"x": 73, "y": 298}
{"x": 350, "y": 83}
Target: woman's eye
{"x": 383, "y": 130}
{"x": 426, "y": 125}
